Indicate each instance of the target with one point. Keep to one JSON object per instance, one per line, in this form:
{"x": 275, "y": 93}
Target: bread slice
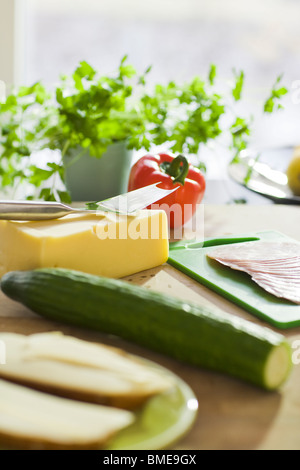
{"x": 30, "y": 419}
{"x": 78, "y": 369}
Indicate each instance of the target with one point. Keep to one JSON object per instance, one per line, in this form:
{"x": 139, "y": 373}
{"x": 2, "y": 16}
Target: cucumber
{"x": 195, "y": 334}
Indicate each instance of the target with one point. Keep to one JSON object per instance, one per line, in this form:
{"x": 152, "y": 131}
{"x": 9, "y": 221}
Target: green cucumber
{"x": 195, "y": 334}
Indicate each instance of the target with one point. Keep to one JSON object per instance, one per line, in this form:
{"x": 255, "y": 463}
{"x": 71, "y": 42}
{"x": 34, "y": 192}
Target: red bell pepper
{"x": 181, "y": 204}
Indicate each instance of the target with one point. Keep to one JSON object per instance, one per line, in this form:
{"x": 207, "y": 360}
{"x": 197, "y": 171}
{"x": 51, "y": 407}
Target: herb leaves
{"x": 88, "y": 111}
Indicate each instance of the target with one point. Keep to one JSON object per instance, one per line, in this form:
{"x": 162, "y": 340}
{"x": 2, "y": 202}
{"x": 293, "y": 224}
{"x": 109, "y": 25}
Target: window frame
{"x": 12, "y": 39}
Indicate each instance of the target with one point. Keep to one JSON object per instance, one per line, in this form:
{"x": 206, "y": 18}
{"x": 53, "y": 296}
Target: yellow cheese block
{"x": 104, "y": 244}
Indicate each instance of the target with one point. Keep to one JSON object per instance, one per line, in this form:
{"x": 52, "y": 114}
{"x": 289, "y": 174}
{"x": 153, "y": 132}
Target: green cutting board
{"x": 236, "y": 286}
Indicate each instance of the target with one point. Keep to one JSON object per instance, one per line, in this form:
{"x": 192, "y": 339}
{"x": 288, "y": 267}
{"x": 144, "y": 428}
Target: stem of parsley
{"x": 75, "y": 159}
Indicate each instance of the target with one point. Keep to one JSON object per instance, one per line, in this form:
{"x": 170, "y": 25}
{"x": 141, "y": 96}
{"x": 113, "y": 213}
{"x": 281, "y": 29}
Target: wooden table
{"x": 232, "y": 414}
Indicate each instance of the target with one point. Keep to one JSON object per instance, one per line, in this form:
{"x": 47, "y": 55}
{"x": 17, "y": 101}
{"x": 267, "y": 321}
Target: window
{"x": 179, "y": 38}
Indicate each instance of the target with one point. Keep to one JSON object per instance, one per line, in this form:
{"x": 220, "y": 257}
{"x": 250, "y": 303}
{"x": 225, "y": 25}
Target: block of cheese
{"x": 104, "y": 244}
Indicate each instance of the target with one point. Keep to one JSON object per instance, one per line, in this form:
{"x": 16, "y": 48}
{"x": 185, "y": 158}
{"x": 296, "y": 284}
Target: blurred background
{"x": 179, "y": 38}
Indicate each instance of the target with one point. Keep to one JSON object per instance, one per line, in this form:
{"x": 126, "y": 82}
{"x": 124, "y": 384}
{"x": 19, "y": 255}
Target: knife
{"x": 124, "y": 204}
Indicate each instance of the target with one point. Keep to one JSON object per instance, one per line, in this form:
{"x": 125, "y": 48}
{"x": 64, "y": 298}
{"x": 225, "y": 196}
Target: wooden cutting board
{"x": 232, "y": 415}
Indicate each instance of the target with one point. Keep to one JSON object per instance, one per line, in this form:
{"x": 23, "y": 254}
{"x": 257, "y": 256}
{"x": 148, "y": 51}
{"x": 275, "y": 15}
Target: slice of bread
{"x": 78, "y": 369}
{"x": 30, "y": 419}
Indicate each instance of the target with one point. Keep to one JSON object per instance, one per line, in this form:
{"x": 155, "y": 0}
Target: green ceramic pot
{"x": 94, "y": 179}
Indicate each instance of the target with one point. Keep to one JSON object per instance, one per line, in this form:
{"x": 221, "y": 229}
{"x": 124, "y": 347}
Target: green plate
{"x": 236, "y": 286}
{"x": 162, "y": 421}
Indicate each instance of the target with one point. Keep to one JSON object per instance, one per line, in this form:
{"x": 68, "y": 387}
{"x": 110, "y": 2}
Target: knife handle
{"x": 32, "y": 210}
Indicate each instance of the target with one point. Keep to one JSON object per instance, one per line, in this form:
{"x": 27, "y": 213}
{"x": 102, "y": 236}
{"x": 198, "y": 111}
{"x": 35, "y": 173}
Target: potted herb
{"x": 97, "y": 117}
{"x": 89, "y": 119}
{"x": 90, "y": 124}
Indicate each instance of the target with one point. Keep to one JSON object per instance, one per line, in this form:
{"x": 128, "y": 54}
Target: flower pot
{"x": 94, "y": 179}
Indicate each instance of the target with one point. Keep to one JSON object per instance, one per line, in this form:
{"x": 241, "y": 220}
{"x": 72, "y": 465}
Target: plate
{"x": 162, "y": 421}
{"x": 267, "y": 179}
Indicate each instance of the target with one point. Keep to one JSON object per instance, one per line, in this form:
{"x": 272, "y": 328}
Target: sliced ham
{"x": 274, "y": 266}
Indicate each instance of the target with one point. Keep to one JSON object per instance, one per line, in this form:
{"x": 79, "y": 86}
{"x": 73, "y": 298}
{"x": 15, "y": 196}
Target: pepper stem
{"x": 178, "y": 169}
